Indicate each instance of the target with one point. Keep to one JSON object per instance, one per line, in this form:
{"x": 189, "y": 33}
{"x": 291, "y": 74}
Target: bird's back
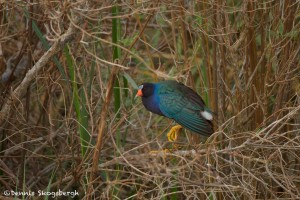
{"x": 186, "y": 107}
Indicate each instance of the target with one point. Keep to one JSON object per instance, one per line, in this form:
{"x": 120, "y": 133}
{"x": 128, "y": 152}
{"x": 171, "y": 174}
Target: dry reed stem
{"x": 104, "y": 113}
{"x": 101, "y": 128}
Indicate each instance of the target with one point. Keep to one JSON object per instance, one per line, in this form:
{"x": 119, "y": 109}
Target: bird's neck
{"x": 152, "y": 104}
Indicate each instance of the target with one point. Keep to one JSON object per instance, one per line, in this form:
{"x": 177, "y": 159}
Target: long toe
{"x": 173, "y": 133}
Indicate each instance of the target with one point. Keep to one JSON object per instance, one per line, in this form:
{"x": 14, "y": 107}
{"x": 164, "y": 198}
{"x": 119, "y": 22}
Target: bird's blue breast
{"x": 152, "y": 102}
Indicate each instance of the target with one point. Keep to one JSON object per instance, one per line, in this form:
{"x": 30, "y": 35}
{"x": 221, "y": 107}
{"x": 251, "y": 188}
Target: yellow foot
{"x": 172, "y": 137}
{"x": 173, "y": 133}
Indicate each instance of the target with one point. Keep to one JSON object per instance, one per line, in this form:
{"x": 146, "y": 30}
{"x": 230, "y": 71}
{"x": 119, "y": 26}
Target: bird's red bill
{"x": 139, "y": 93}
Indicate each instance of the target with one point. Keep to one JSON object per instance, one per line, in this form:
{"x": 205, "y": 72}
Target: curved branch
{"x": 20, "y": 91}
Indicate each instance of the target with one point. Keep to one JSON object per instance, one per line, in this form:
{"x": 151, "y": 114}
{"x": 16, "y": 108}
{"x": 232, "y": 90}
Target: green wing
{"x": 182, "y": 104}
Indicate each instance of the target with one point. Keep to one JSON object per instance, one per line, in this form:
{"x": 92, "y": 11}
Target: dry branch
{"x": 20, "y": 91}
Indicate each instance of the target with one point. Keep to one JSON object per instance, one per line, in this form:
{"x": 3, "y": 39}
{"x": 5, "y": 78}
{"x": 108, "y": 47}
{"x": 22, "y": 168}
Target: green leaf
{"x": 130, "y": 80}
{"x": 80, "y": 106}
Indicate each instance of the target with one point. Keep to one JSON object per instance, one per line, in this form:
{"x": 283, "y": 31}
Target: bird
{"x": 176, "y": 101}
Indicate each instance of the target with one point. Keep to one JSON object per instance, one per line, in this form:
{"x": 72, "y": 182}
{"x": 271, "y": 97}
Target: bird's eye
{"x": 141, "y": 87}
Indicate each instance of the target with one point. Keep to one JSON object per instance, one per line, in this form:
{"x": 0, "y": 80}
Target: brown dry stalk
{"x": 103, "y": 114}
{"x": 101, "y": 128}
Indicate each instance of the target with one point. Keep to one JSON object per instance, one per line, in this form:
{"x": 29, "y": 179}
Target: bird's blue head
{"x": 149, "y": 97}
{"x": 146, "y": 90}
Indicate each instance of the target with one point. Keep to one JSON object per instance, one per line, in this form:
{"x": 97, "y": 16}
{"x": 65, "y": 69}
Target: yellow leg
{"x": 173, "y": 133}
{"x": 172, "y": 137}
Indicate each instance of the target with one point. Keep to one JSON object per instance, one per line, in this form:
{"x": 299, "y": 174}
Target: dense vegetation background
{"x": 69, "y": 120}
